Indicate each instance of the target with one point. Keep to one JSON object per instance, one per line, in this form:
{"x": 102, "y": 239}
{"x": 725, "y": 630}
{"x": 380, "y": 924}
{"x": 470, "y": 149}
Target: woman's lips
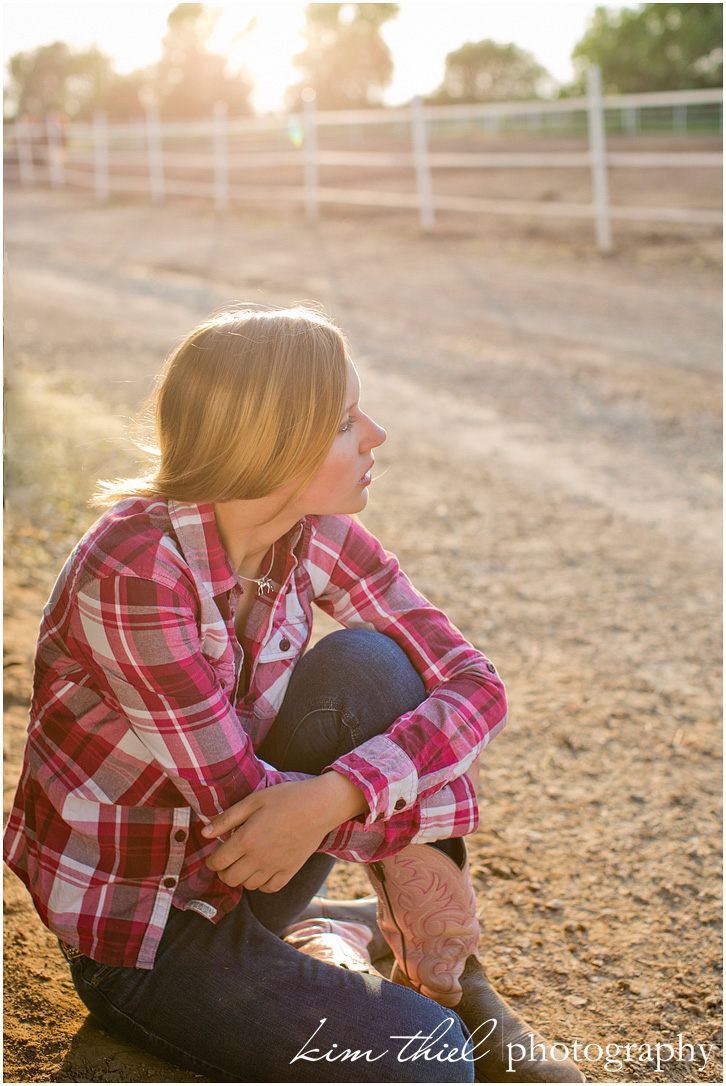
{"x": 367, "y": 477}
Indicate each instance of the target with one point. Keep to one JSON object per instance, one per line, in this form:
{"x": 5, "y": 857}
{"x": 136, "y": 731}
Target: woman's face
{"x": 340, "y": 484}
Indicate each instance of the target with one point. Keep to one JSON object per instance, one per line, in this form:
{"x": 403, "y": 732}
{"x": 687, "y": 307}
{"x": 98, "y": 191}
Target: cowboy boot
{"x": 337, "y": 942}
{"x": 360, "y": 910}
{"x": 427, "y": 913}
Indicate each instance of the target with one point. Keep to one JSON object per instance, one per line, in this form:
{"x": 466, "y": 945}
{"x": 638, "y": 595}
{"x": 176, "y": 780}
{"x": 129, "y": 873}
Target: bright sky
{"x": 419, "y": 38}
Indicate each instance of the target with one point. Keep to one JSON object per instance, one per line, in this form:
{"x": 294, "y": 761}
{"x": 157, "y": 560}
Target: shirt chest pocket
{"x": 287, "y": 641}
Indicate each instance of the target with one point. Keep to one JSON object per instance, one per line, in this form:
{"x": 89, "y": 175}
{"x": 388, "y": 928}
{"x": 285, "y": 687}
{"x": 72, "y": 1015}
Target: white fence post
{"x": 630, "y": 118}
{"x": 421, "y": 158}
{"x": 310, "y": 153}
{"x": 680, "y": 119}
{"x": 24, "y": 144}
{"x": 102, "y": 148}
{"x": 155, "y": 154}
{"x": 598, "y": 159}
{"x": 55, "y": 151}
{"x": 100, "y": 157}
{"x": 221, "y": 158}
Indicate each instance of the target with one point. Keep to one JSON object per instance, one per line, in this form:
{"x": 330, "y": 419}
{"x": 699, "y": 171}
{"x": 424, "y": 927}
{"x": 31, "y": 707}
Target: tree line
{"x": 347, "y": 63}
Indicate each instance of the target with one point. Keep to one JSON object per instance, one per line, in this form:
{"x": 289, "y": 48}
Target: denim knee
{"x": 350, "y": 687}
{"x": 374, "y": 669}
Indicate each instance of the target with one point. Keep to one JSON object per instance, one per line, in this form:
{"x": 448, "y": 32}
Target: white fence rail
{"x": 151, "y": 157}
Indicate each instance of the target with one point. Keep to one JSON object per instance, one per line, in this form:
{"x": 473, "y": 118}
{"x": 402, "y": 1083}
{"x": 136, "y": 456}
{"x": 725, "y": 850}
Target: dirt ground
{"x": 551, "y": 478}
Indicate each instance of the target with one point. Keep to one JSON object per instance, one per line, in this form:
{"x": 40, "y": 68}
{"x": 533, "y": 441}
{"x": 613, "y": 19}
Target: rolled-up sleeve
{"x": 453, "y": 811}
{"x": 432, "y": 747}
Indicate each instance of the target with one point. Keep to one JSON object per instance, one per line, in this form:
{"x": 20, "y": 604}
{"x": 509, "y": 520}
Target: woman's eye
{"x": 347, "y": 425}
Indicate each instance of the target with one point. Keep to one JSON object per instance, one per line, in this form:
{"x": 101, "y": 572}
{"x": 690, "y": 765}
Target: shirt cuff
{"x": 385, "y": 775}
{"x": 453, "y": 811}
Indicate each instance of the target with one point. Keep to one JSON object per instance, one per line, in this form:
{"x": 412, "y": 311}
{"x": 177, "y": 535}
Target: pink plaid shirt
{"x": 138, "y": 736}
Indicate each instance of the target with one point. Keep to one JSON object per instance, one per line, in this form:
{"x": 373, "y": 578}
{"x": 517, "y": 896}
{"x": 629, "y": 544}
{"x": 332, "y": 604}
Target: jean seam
{"x": 348, "y": 720}
{"x": 157, "y": 1039}
{"x": 100, "y": 975}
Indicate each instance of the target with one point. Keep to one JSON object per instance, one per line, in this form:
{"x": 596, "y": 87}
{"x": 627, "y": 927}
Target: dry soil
{"x": 551, "y": 479}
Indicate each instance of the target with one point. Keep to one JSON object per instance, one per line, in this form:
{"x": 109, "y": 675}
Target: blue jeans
{"x": 231, "y": 1001}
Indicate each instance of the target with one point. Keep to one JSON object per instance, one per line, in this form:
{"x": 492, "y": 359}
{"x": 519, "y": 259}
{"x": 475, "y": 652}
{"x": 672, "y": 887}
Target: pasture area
{"x": 551, "y": 479}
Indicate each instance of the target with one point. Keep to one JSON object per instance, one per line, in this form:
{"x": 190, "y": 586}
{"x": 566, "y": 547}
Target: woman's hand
{"x": 278, "y": 828}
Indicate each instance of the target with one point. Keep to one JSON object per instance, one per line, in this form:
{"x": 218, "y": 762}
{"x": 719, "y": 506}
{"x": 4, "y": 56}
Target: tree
{"x": 657, "y": 47}
{"x": 486, "y": 71}
{"x": 58, "y": 79}
{"x": 346, "y": 61}
{"x": 189, "y": 80}
{"x": 127, "y": 94}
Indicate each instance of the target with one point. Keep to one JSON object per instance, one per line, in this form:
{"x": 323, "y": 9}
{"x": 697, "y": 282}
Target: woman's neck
{"x": 247, "y": 530}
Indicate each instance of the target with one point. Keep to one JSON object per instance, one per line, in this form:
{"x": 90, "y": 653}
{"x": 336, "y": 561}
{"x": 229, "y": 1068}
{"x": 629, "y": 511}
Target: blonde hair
{"x": 249, "y": 401}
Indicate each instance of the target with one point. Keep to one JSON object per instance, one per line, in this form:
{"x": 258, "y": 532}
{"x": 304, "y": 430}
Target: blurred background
{"x": 561, "y": 112}
{"x": 77, "y": 58}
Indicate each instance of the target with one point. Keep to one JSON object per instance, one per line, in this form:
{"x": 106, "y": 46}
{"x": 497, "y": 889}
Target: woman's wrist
{"x": 343, "y": 800}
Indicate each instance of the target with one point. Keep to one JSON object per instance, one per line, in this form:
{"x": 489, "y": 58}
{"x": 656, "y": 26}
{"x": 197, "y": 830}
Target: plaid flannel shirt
{"x": 138, "y": 736}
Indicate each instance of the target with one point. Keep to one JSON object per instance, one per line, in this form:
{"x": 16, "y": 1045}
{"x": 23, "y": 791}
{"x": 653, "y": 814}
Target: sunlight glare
{"x": 264, "y": 37}
{"x": 263, "y": 40}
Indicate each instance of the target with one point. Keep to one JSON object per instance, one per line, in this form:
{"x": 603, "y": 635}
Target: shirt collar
{"x": 196, "y": 530}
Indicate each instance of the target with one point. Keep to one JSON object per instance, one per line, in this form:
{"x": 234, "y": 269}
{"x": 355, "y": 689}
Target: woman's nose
{"x": 376, "y": 436}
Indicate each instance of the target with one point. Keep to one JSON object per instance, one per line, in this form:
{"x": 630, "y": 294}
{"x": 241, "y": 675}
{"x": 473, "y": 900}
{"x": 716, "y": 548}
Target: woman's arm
{"x": 419, "y": 778}
{"x": 360, "y": 584}
{"x": 140, "y": 643}
{"x": 265, "y": 855}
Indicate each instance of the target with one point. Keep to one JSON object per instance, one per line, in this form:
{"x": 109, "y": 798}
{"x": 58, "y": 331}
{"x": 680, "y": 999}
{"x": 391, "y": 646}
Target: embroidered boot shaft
{"x": 427, "y": 913}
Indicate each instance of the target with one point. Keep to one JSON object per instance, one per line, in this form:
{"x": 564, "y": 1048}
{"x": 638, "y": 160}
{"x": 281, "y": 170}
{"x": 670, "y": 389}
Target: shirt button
{"x": 180, "y": 835}
{"x": 400, "y": 804}
{"x": 169, "y": 883}
{"x": 284, "y": 644}
{"x": 491, "y": 667}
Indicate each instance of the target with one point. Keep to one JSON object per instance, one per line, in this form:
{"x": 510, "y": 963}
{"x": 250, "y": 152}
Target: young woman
{"x": 174, "y": 702}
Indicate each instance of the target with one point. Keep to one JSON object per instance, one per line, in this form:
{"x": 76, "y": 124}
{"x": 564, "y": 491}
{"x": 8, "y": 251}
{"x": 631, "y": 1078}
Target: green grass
{"x": 59, "y": 440}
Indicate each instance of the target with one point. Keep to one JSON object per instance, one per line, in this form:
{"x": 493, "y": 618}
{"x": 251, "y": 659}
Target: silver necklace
{"x": 264, "y": 583}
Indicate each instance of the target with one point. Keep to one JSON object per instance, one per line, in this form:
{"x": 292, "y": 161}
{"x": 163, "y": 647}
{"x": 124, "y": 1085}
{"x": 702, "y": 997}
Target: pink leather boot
{"x": 343, "y": 943}
{"x": 427, "y": 913}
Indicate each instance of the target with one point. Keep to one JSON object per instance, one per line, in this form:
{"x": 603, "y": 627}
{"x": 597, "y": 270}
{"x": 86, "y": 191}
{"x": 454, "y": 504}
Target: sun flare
{"x": 262, "y": 40}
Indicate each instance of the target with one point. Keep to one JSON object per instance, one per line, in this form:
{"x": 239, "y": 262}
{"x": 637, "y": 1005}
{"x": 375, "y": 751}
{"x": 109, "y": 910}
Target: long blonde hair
{"x": 249, "y": 401}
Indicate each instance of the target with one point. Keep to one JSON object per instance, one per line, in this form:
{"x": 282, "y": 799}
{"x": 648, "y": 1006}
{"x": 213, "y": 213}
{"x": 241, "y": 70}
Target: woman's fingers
{"x": 274, "y": 884}
{"x": 246, "y": 872}
{"x": 242, "y": 874}
{"x": 277, "y": 829}
{"x": 234, "y": 850}
{"x": 233, "y": 817}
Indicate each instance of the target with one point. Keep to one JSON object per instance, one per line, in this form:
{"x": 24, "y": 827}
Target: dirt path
{"x": 551, "y": 478}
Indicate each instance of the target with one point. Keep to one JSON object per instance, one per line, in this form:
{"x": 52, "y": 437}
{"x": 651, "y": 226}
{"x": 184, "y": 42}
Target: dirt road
{"x": 551, "y": 479}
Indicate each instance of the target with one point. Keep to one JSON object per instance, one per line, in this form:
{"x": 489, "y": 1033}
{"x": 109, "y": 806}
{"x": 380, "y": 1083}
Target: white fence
{"x": 154, "y": 158}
